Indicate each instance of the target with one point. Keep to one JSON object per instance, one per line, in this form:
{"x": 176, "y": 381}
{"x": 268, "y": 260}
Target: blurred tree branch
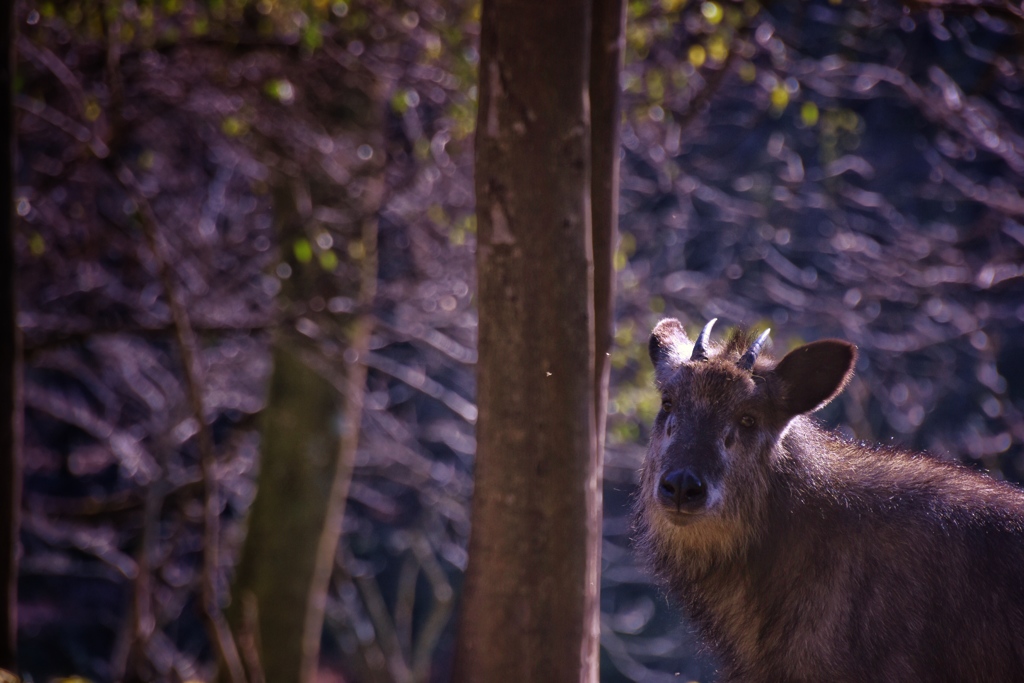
{"x": 220, "y": 634}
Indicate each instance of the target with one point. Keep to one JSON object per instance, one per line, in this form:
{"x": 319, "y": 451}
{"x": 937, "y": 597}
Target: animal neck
{"x": 729, "y": 598}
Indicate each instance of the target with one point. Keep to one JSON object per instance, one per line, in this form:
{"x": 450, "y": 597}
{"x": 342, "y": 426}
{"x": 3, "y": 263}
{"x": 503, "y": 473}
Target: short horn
{"x": 746, "y": 361}
{"x": 700, "y": 351}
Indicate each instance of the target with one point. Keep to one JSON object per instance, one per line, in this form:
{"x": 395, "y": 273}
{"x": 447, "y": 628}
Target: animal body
{"x": 801, "y": 556}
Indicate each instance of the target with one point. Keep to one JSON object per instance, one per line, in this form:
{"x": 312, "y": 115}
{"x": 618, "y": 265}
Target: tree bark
{"x": 299, "y": 462}
{"x": 606, "y": 59}
{"x": 530, "y": 602}
{"x": 310, "y": 435}
{"x": 10, "y": 369}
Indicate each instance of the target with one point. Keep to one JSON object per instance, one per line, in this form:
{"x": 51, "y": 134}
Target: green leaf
{"x": 779, "y": 98}
{"x": 809, "y": 114}
{"x": 328, "y": 260}
{"x": 303, "y": 250}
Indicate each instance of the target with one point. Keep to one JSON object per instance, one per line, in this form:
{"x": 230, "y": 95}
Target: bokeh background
{"x": 842, "y": 168}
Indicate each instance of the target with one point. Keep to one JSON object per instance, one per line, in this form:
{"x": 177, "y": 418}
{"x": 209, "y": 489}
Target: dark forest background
{"x": 201, "y": 184}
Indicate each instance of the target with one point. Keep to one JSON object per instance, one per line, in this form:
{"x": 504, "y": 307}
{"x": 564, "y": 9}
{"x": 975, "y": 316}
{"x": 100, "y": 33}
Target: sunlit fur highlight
{"x": 828, "y": 560}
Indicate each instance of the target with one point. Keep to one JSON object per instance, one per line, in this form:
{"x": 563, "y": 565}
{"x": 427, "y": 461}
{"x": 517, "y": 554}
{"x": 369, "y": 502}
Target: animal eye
{"x": 666, "y": 404}
{"x": 747, "y": 421}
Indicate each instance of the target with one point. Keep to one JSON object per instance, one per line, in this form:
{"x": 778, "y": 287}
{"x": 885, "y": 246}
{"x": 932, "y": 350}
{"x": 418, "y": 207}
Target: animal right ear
{"x": 814, "y": 374}
{"x": 669, "y": 344}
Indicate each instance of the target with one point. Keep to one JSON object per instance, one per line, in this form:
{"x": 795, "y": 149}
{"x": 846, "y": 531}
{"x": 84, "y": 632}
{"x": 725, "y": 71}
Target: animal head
{"x": 724, "y": 411}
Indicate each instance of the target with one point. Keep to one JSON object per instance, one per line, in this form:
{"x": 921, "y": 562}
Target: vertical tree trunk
{"x": 10, "y": 367}
{"x": 298, "y": 464}
{"x": 606, "y": 58}
{"x": 310, "y": 434}
{"x": 529, "y": 609}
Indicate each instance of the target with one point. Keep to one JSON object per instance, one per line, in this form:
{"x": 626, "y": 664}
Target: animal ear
{"x": 669, "y": 343}
{"x": 814, "y": 374}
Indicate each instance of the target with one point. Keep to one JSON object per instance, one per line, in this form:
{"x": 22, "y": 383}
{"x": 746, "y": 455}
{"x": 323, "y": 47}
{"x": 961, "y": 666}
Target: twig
{"x": 408, "y": 576}
{"x": 220, "y": 634}
{"x": 55, "y": 65}
{"x": 348, "y": 614}
{"x": 44, "y": 339}
{"x": 65, "y": 123}
{"x": 354, "y": 393}
{"x": 432, "y": 630}
{"x": 143, "y": 621}
{"x": 417, "y": 379}
{"x": 249, "y": 637}
{"x": 432, "y": 338}
{"x": 86, "y": 541}
{"x": 384, "y": 627}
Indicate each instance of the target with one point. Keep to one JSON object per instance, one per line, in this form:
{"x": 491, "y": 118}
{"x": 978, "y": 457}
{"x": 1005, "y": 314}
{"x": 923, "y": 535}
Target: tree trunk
{"x": 530, "y": 603}
{"x": 606, "y": 58}
{"x": 10, "y": 369}
{"x": 310, "y": 435}
{"x": 275, "y": 586}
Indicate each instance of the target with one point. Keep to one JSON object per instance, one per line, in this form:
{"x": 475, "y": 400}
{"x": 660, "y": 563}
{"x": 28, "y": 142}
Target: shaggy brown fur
{"x": 804, "y": 557}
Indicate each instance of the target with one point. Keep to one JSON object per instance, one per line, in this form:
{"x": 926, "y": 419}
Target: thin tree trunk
{"x": 310, "y": 435}
{"x": 298, "y": 463}
{"x": 10, "y": 369}
{"x": 606, "y": 58}
{"x": 193, "y": 375}
{"x": 529, "y": 602}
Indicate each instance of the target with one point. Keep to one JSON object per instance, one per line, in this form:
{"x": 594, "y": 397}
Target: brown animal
{"x": 802, "y": 556}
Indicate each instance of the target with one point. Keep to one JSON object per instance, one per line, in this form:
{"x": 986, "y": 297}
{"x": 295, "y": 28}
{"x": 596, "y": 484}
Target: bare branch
{"x": 220, "y": 634}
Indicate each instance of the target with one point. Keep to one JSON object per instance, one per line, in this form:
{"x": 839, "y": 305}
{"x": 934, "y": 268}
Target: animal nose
{"x": 682, "y": 489}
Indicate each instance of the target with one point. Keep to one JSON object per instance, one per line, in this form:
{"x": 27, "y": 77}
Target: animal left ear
{"x": 814, "y": 374}
{"x": 668, "y": 345}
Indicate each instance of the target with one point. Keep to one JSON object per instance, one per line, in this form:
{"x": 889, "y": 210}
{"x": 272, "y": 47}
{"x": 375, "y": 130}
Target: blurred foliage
{"x": 238, "y": 125}
{"x": 826, "y": 168}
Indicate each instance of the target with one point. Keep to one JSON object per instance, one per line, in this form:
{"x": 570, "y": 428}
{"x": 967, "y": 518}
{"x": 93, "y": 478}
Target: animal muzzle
{"x": 682, "y": 491}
